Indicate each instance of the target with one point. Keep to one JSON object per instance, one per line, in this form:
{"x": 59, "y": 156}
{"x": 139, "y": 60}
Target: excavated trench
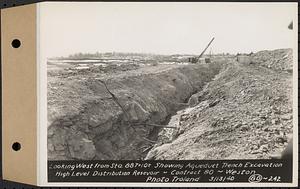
{"x": 123, "y": 119}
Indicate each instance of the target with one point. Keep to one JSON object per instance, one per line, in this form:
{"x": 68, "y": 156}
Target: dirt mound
{"x": 280, "y": 59}
{"x": 86, "y": 122}
{"x": 244, "y": 113}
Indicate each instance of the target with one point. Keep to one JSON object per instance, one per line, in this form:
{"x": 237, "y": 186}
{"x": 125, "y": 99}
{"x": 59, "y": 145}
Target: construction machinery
{"x": 196, "y": 59}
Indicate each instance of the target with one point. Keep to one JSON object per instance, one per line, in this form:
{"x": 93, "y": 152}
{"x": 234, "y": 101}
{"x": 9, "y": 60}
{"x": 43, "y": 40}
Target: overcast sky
{"x": 165, "y": 28}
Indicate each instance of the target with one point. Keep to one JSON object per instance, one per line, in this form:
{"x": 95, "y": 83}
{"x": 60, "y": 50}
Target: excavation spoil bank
{"x": 228, "y": 109}
{"x": 244, "y": 113}
{"x": 117, "y": 116}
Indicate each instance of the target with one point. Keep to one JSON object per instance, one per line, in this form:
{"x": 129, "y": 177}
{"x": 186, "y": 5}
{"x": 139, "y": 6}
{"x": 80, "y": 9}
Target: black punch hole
{"x": 16, "y": 146}
{"x": 16, "y": 43}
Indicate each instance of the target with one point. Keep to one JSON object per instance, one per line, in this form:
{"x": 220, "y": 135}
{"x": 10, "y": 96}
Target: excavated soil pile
{"x": 86, "y": 121}
{"x": 280, "y": 59}
{"x": 244, "y": 113}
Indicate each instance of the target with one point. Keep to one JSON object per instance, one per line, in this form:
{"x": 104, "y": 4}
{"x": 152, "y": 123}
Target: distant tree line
{"x": 110, "y": 54}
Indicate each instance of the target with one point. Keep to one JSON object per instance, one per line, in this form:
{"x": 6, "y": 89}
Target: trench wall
{"x": 101, "y": 130}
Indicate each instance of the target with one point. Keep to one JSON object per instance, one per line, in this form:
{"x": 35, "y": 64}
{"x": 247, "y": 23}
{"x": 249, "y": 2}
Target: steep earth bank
{"x": 244, "y": 113}
{"x": 86, "y": 122}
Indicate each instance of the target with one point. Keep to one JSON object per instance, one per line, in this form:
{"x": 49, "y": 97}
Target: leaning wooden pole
{"x": 115, "y": 99}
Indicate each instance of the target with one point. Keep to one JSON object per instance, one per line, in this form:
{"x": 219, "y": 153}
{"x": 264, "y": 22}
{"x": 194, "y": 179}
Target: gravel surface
{"x": 244, "y": 113}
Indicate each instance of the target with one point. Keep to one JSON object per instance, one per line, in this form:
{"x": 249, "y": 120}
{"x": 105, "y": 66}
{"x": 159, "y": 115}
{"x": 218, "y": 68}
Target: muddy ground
{"x": 222, "y": 110}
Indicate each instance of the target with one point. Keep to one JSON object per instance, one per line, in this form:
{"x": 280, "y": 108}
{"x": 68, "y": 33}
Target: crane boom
{"x": 206, "y": 48}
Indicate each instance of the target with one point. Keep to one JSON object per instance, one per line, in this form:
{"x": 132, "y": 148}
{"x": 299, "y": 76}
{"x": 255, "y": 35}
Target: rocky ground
{"x": 222, "y": 110}
{"x": 280, "y": 59}
{"x": 86, "y": 122}
{"x": 244, "y": 113}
